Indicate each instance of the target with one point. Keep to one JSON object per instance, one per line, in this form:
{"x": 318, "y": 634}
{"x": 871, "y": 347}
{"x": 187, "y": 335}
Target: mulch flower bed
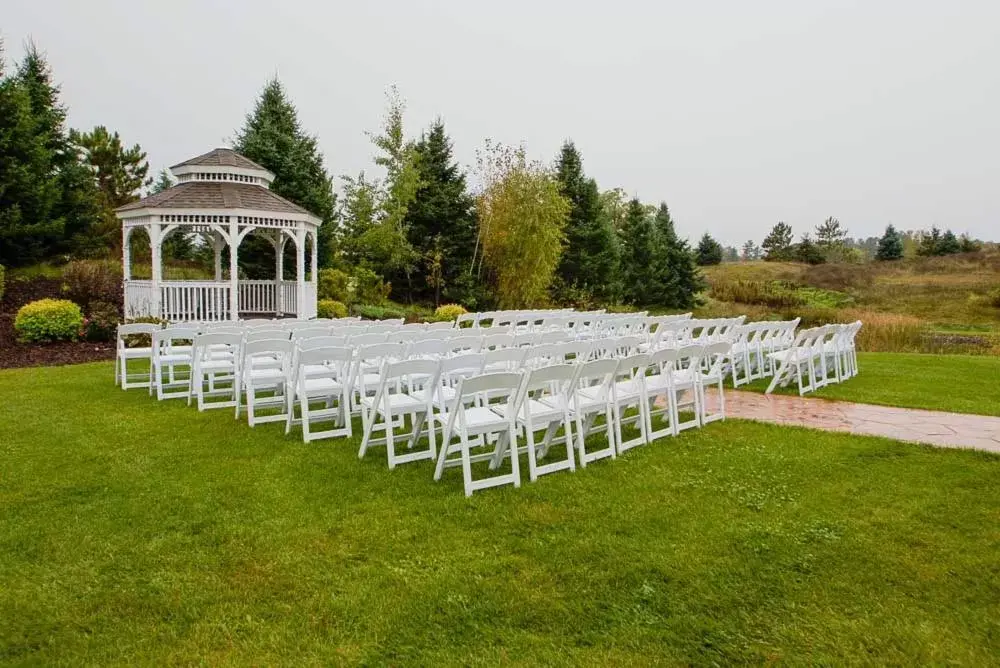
{"x": 14, "y": 354}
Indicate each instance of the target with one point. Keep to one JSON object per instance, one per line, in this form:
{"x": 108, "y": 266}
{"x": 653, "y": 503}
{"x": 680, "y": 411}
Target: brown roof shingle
{"x": 216, "y": 195}
{"x": 221, "y": 157}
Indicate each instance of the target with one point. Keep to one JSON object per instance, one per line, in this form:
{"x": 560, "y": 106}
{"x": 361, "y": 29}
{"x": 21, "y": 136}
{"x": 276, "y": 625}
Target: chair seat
{"x": 548, "y": 409}
{"x": 217, "y": 365}
{"x": 174, "y": 358}
{"x": 628, "y": 389}
{"x": 399, "y": 402}
{"x": 479, "y": 419}
{"x": 441, "y": 393}
{"x": 588, "y": 400}
{"x": 322, "y": 386}
{"x": 267, "y": 375}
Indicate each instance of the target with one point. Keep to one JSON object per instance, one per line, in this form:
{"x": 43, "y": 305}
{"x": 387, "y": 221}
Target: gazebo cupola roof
{"x": 222, "y": 164}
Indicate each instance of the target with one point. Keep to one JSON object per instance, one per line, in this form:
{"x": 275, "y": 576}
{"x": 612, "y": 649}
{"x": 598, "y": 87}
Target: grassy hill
{"x": 940, "y": 304}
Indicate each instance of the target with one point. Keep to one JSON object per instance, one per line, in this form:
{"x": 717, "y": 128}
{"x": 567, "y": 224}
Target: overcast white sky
{"x": 738, "y": 114}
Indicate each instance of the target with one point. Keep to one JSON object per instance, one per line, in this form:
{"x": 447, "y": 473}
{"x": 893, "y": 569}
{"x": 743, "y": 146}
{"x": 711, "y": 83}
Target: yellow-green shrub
{"x": 334, "y": 284}
{"x": 48, "y": 320}
{"x": 449, "y": 311}
{"x": 328, "y": 308}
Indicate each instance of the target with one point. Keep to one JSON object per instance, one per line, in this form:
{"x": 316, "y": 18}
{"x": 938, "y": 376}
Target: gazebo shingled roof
{"x": 220, "y": 157}
{"x": 216, "y": 195}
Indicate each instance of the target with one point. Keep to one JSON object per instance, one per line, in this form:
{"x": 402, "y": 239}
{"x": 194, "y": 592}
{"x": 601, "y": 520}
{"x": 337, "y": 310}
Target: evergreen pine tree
{"x": 777, "y": 245}
{"x": 440, "y": 223}
{"x": 679, "y": 273}
{"x": 273, "y": 137}
{"x": 591, "y": 257}
{"x": 808, "y": 252}
{"x": 642, "y": 269}
{"x": 949, "y": 244}
{"x": 709, "y": 251}
{"x": 890, "y": 246}
{"x": 930, "y": 242}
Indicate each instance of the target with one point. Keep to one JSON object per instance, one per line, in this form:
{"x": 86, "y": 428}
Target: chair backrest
{"x": 498, "y": 340}
{"x": 414, "y": 374}
{"x": 280, "y": 349}
{"x": 688, "y": 357}
{"x": 537, "y": 356}
{"x": 598, "y": 374}
{"x": 136, "y": 329}
{"x": 166, "y": 337}
{"x": 465, "y": 344}
{"x": 206, "y": 345}
{"x": 511, "y": 359}
{"x": 555, "y": 380}
{"x": 716, "y": 354}
{"x": 310, "y": 331}
{"x": 368, "y": 339}
{"x": 466, "y": 320}
{"x": 488, "y": 386}
{"x": 444, "y": 324}
{"x": 261, "y": 334}
{"x": 313, "y": 342}
{"x": 428, "y": 349}
{"x": 460, "y": 366}
{"x": 324, "y": 362}
{"x": 556, "y": 336}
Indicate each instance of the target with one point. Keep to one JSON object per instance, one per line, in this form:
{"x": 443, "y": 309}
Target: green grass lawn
{"x": 137, "y": 532}
{"x": 957, "y": 383}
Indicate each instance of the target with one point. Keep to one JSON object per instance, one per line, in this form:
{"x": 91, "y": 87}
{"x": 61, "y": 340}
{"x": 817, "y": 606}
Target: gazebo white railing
{"x": 223, "y": 197}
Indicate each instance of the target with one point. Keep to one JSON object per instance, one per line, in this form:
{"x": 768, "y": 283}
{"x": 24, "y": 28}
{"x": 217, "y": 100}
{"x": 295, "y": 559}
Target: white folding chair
{"x": 798, "y": 358}
{"x": 471, "y": 419}
{"x": 497, "y": 340}
{"x": 444, "y": 324}
{"x": 266, "y": 367}
{"x": 591, "y": 398}
{"x": 216, "y": 359}
{"x": 661, "y": 398}
{"x": 171, "y": 348}
{"x": 125, "y": 353}
{"x": 715, "y": 354}
{"x": 403, "y": 392}
{"x": 368, "y": 362}
{"x": 685, "y": 380}
{"x": 545, "y": 404}
{"x": 321, "y": 375}
{"x": 629, "y": 391}
{"x": 504, "y": 359}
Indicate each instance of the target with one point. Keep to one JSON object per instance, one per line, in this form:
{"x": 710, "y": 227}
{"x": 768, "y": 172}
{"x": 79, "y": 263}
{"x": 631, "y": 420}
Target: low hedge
{"x": 449, "y": 311}
{"x": 48, "y": 320}
{"x": 330, "y": 308}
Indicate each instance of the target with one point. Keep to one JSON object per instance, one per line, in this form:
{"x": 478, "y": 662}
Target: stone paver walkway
{"x": 949, "y": 430}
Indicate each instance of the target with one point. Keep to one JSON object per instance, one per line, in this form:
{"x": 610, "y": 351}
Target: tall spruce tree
{"x": 642, "y": 257}
{"x": 440, "y": 223}
{"x": 709, "y": 251}
{"x": 680, "y": 279}
{"x": 777, "y": 245}
{"x": 890, "y": 246}
{"x": 273, "y": 137}
{"x": 591, "y": 256}
{"x": 47, "y": 198}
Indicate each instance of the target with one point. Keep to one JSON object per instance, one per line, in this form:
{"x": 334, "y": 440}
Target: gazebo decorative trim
{"x": 223, "y": 197}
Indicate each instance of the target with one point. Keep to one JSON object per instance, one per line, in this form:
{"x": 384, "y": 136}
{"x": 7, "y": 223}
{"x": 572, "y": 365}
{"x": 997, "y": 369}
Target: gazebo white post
{"x": 300, "y": 271}
{"x": 126, "y": 254}
{"x": 314, "y": 292}
{"x": 234, "y": 282}
{"x": 279, "y": 272}
{"x": 315, "y": 257}
{"x": 157, "y": 269}
{"x": 217, "y": 245}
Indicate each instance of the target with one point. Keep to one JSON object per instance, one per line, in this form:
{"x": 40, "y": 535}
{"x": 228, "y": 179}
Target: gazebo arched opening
{"x": 222, "y": 197}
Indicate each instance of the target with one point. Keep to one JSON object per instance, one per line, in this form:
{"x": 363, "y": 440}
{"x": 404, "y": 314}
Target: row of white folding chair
{"x": 422, "y": 391}
{"x": 817, "y": 357}
{"x": 752, "y": 343}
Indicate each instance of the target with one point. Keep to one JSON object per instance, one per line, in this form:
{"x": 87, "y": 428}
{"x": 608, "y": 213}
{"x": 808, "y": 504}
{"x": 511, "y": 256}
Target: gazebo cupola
{"x": 222, "y": 197}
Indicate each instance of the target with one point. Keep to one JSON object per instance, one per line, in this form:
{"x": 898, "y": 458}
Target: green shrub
{"x": 101, "y": 322}
{"x": 372, "y": 312}
{"x": 449, "y": 311}
{"x": 1, "y": 282}
{"x": 88, "y": 281}
{"x": 329, "y": 308}
{"x": 369, "y": 288}
{"x": 334, "y": 284}
{"x": 48, "y": 320}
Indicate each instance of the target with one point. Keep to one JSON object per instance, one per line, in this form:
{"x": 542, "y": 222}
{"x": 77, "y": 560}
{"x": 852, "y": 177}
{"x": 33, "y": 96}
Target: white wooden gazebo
{"x": 221, "y": 196}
